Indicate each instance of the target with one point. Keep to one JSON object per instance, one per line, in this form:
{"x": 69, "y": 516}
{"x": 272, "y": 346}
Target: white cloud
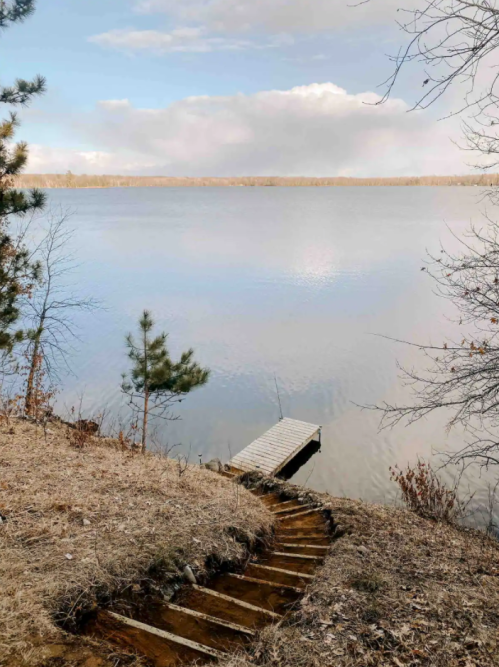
{"x": 276, "y": 15}
{"x": 215, "y": 25}
{"x": 186, "y": 40}
{"x": 314, "y": 130}
{"x": 114, "y": 105}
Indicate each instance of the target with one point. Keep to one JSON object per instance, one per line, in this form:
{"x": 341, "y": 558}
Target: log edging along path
{"x": 205, "y": 623}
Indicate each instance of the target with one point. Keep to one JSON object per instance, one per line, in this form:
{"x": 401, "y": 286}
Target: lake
{"x": 297, "y": 283}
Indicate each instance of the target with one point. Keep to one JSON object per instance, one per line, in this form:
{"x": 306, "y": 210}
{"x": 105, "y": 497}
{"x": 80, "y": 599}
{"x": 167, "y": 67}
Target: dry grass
{"x": 80, "y": 525}
{"x": 83, "y": 181}
{"x": 395, "y": 590}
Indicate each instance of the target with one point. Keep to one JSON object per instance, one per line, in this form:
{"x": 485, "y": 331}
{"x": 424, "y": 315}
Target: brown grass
{"x": 83, "y": 181}
{"x": 81, "y": 525}
{"x": 395, "y": 590}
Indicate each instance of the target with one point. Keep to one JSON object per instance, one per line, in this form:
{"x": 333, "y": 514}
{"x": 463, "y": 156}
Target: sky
{"x": 224, "y": 88}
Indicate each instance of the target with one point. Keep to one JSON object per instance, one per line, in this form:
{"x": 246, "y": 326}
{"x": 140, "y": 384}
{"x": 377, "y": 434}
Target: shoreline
{"x": 106, "y": 528}
{"x": 72, "y": 181}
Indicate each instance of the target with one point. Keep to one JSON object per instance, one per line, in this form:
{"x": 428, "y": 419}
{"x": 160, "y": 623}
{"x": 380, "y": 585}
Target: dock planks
{"x": 277, "y": 447}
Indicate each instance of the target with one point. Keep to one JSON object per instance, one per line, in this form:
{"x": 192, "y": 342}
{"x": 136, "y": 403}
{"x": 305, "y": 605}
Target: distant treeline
{"x": 70, "y": 180}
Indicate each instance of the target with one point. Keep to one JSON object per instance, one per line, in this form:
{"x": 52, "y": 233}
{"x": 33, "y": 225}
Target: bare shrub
{"x": 79, "y": 437}
{"x": 81, "y": 431}
{"x": 426, "y": 495}
{"x": 10, "y": 406}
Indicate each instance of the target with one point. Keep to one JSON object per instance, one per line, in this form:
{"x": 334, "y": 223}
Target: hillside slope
{"x": 396, "y": 590}
{"x": 79, "y": 526}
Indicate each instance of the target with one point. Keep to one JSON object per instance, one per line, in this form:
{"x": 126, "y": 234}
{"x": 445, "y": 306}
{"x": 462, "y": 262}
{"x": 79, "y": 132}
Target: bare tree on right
{"x": 455, "y": 42}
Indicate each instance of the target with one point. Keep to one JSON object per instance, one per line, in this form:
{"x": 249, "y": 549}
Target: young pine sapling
{"x": 156, "y": 382}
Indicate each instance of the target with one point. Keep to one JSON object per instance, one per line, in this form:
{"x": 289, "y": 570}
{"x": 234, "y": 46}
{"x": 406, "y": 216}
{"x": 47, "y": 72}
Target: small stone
{"x": 189, "y": 575}
{"x": 339, "y": 531}
{"x": 86, "y": 522}
{"x": 215, "y": 465}
{"x": 69, "y": 556}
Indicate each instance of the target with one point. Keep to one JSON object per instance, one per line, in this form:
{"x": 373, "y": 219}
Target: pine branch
{"x": 15, "y": 12}
{"x": 22, "y": 91}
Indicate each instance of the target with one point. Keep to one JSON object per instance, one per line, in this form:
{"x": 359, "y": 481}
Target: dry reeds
{"x": 79, "y": 524}
{"x": 70, "y": 180}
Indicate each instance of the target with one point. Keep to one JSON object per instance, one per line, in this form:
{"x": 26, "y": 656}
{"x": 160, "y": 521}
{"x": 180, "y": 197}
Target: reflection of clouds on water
{"x": 273, "y": 280}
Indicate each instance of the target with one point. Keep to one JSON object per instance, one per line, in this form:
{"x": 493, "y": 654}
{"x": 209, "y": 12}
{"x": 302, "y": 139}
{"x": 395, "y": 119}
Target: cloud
{"x": 221, "y": 25}
{"x": 180, "y": 40}
{"x": 114, "y": 105}
{"x": 275, "y": 15}
{"x": 313, "y": 130}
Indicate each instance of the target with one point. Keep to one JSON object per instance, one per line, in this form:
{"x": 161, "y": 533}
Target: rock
{"x": 215, "y": 465}
{"x": 189, "y": 575}
{"x": 86, "y": 522}
{"x": 339, "y": 531}
{"x": 69, "y": 557}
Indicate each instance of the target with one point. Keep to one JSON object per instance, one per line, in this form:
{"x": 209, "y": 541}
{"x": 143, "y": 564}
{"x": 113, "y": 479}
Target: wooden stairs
{"x": 204, "y": 623}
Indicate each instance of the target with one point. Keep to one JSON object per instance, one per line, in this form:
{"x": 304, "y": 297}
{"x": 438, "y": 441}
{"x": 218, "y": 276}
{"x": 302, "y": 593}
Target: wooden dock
{"x": 276, "y": 448}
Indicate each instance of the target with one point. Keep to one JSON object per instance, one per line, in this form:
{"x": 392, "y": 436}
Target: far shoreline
{"x": 73, "y": 181}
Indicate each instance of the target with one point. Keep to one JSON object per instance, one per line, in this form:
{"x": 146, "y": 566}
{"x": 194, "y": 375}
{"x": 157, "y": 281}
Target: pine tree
{"x": 17, "y": 272}
{"x": 156, "y": 382}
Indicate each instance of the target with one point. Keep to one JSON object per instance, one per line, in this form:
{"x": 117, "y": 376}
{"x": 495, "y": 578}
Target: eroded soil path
{"x": 204, "y": 623}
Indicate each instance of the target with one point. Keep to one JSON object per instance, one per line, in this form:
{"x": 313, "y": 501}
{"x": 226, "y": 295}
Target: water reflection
{"x": 264, "y": 281}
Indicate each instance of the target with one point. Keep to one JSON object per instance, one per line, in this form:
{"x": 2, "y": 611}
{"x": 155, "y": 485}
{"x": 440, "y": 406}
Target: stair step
{"x": 305, "y": 522}
{"x": 290, "y": 511}
{"x": 284, "y": 561}
{"x": 310, "y": 549}
{"x": 305, "y": 513}
{"x": 286, "y": 503}
{"x": 226, "y": 607}
{"x": 163, "y": 648}
{"x": 299, "y": 534}
{"x": 278, "y": 575}
{"x": 194, "y": 625}
{"x": 270, "y": 499}
{"x": 265, "y": 594}
{"x": 305, "y": 557}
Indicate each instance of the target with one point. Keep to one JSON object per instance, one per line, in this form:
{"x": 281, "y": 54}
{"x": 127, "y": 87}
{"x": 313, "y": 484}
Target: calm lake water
{"x": 261, "y": 281}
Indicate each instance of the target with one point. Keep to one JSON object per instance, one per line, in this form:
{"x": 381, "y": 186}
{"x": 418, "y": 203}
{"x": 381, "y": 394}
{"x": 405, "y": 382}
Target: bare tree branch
{"x": 462, "y": 376}
{"x": 49, "y": 308}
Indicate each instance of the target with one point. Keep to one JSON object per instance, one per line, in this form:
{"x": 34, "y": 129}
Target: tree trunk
{"x": 144, "y": 421}
{"x": 28, "y": 401}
